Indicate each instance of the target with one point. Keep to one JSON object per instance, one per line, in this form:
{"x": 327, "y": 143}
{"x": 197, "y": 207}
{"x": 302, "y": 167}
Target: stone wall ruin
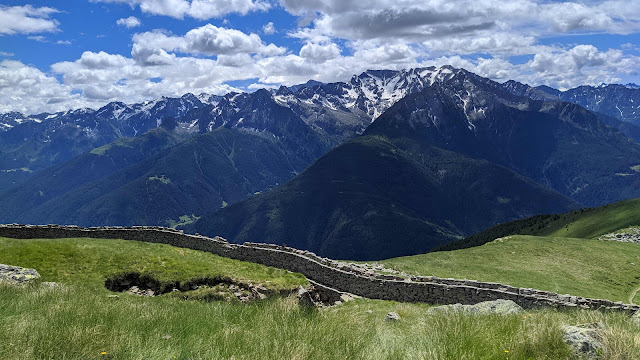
{"x": 336, "y": 275}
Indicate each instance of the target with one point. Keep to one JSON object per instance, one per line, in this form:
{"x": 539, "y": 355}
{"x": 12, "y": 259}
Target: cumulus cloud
{"x": 574, "y": 16}
{"x": 319, "y": 53}
{"x": 582, "y": 64}
{"x": 32, "y": 91}
{"x": 102, "y": 60}
{"x": 478, "y": 35}
{"x": 26, "y": 20}
{"x": 129, "y": 22}
{"x": 485, "y": 42}
{"x": 418, "y": 21}
{"x": 342, "y": 38}
{"x": 408, "y": 20}
{"x": 104, "y": 77}
{"x": 269, "y": 29}
{"x": 198, "y": 9}
{"x": 153, "y": 48}
{"x": 559, "y": 68}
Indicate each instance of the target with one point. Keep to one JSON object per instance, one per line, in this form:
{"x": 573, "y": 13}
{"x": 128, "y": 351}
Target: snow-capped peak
{"x": 209, "y": 99}
{"x": 374, "y": 91}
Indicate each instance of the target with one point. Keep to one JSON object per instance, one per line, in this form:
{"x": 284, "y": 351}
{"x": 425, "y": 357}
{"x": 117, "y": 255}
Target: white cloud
{"x": 129, "y": 22}
{"x": 104, "y": 77}
{"x": 346, "y": 37}
{"x": 384, "y": 54}
{"x": 38, "y": 38}
{"x": 485, "y": 42}
{"x": 236, "y": 60}
{"x": 582, "y": 64}
{"x": 418, "y": 21}
{"x": 153, "y": 48}
{"x": 480, "y": 35}
{"x": 257, "y": 86}
{"x": 30, "y": 90}
{"x": 572, "y": 16}
{"x": 199, "y": 9}
{"x": 63, "y": 42}
{"x": 212, "y": 40}
{"x": 559, "y": 68}
{"x": 319, "y": 53}
{"x": 269, "y": 29}
{"x": 102, "y": 60}
{"x": 26, "y": 20}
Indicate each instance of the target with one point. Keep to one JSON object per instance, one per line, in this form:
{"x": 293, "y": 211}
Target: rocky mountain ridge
{"x": 336, "y": 112}
{"x": 447, "y": 126}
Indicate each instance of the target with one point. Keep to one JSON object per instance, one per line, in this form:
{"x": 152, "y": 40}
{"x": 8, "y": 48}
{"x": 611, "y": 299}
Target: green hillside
{"x": 87, "y": 262}
{"x": 375, "y": 198}
{"x": 82, "y": 320}
{"x": 582, "y": 267}
{"x": 587, "y": 223}
{"x": 53, "y": 183}
{"x": 186, "y": 179}
{"x": 595, "y": 222}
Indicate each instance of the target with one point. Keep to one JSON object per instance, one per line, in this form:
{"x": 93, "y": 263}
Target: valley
{"x": 217, "y": 158}
{"x": 415, "y": 180}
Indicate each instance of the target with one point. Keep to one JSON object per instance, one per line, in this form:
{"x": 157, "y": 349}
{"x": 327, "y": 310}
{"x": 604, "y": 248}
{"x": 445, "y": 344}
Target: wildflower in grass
{"x": 506, "y": 351}
{"x": 103, "y": 353}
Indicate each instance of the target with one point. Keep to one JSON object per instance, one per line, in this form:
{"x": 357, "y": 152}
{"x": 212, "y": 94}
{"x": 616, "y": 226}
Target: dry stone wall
{"x": 351, "y": 279}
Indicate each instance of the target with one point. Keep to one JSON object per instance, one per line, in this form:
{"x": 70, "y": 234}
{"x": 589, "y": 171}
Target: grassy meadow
{"x": 595, "y": 222}
{"x": 80, "y": 319}
{"x": 87, "y": 262}
{"x": 582, "y": 267}
{"x": 74, "y": 322}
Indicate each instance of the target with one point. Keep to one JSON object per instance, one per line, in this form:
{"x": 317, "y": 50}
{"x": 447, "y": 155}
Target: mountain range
{"x": 389, "y": 163}
{"x": 337, "y": 111}
{"x": 415, "y": 180}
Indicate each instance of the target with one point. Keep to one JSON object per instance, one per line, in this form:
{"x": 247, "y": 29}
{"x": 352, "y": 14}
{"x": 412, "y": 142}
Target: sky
{"x": 58, "y": 55}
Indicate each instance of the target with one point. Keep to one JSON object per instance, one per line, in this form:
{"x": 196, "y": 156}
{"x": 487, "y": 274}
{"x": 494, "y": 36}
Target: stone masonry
{"x": 339, "y": 276}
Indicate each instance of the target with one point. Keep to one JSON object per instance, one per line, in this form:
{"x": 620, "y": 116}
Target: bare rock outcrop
{"x": 631, "y": 235}
{"x": 500, "y": 306}
{"x": 585, "y": 339}
{"x": 17, "y": 275}
{"x": 392, "y": 316}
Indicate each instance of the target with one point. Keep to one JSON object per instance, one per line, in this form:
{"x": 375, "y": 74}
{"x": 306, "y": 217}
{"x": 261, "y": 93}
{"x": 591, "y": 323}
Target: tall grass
{"x": 82, "y": 320}
{"x": 72, "y": 322}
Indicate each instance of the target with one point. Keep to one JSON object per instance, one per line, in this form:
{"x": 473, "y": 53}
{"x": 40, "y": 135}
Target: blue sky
{"x": 56, "y": 55}
{"x": 91, "y": 26}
